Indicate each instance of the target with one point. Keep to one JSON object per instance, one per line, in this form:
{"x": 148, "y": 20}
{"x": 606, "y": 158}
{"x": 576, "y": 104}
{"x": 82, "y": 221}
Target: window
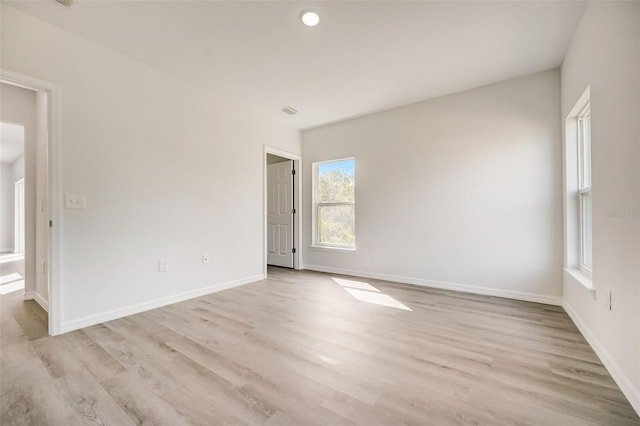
{"x": 584, "y": 187}
{"x": 334, "y": 207}
{"x": 578, "y": 200}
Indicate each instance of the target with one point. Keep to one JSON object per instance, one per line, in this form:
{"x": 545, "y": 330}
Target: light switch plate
{"x": 75, "y": 201}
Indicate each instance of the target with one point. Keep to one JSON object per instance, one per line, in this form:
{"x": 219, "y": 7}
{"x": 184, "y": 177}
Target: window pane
{"x": 585, "y": 213}
{"x": 584, "y": 146}
{"x": 336, "y": 182}
{"x": 336, "y": 225}
{"x": 586, "y": 136}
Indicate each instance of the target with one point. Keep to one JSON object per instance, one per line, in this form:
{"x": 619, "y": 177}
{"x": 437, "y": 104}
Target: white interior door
{"x": 280, "y": 214}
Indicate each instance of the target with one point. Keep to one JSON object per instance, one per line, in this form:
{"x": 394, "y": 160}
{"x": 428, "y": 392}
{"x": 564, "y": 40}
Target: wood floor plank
{"x": 300, "y": 349}
{"x": 92, "y": 356}
{"x": 92, "y": 403}
{"x": 141, "y": 403}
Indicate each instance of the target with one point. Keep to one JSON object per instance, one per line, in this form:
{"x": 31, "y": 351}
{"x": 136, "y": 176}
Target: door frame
{"x": 297, "y": 204}
{"x": 54, "y": 248}
{"x": 19, "y": 217}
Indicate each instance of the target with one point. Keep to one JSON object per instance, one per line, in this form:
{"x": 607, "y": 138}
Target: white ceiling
{"x": 11, "y": 142}
{"x": 363, "y": 57}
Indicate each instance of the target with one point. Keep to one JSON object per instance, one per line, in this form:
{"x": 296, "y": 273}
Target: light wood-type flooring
{"x": 302, "y": 348}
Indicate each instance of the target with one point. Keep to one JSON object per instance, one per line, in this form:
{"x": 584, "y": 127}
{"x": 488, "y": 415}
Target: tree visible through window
{"x": 334, "y": 200}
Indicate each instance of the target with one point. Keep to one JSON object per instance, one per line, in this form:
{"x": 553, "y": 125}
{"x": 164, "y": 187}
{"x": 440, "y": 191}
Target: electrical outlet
{"x": 205, "y": 259}
{"x": 163, "y": 265}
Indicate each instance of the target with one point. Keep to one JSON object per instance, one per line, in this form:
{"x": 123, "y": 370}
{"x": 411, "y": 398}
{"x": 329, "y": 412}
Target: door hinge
{"x": 293, "y": 171}
{"x": 50, "y": 224}
{"x": 293, "y": 211}
{"x": 293, "y": 250}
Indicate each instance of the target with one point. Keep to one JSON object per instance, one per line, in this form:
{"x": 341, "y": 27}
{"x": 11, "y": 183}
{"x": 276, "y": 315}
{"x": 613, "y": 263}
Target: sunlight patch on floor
{"x": 10, "y": 283}
{"x": 365, "y": 292}
{"x": 11, "y": 257}
{"x": 10, "y": 288}
{"x": 356, "y": 284}
{"x": 9, "y": 278}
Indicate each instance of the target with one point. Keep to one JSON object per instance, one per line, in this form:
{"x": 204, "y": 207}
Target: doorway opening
{"x": 29, "y": 103}
{"x": 12, "y": 214}
{"x": 282, "y": 214}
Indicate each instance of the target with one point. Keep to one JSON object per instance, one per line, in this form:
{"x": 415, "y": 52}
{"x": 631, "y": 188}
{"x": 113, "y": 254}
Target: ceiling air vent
{"x": 67, "y": 3}
{"x": 289, "y": 110}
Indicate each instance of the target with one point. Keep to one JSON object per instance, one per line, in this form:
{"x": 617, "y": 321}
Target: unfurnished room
{"x": 330, "y": 212}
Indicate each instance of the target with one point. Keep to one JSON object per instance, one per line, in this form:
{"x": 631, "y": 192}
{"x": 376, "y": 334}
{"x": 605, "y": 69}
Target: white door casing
{"x": 48, "y": 138}
{"x": 19, "y": 218}
{"x": 280, "y": 214}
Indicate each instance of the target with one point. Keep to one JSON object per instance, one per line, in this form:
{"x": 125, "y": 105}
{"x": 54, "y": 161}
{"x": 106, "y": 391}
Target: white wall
{"x": 462, "y": 191}
{"x": 17, "y": 168}
{"x": 18, "y": 105}
{"x": 605, "y": 55}
{"x": 6, "y": 207}
{"x": 168, "y": 173}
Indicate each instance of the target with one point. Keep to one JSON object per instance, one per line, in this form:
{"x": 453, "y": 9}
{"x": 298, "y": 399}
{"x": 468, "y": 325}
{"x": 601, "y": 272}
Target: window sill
{"x": 583, "y": 279}
{"x": 333, "y": 249}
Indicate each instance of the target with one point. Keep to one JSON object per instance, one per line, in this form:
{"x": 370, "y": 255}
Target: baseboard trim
{"x": 153, "y": 304}
{"x": 625, "y": 384}
{"x": 487, "y": 291}
{"x": 37, "y": 297}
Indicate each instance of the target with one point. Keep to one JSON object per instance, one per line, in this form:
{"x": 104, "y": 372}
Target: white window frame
{"x": 585, "y": 219}
{"x": 317, "y": 205}
{"x": 577, "y": 187}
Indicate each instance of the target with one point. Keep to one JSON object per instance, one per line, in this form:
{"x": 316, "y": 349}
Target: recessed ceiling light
{"x": 310, "y": 18}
